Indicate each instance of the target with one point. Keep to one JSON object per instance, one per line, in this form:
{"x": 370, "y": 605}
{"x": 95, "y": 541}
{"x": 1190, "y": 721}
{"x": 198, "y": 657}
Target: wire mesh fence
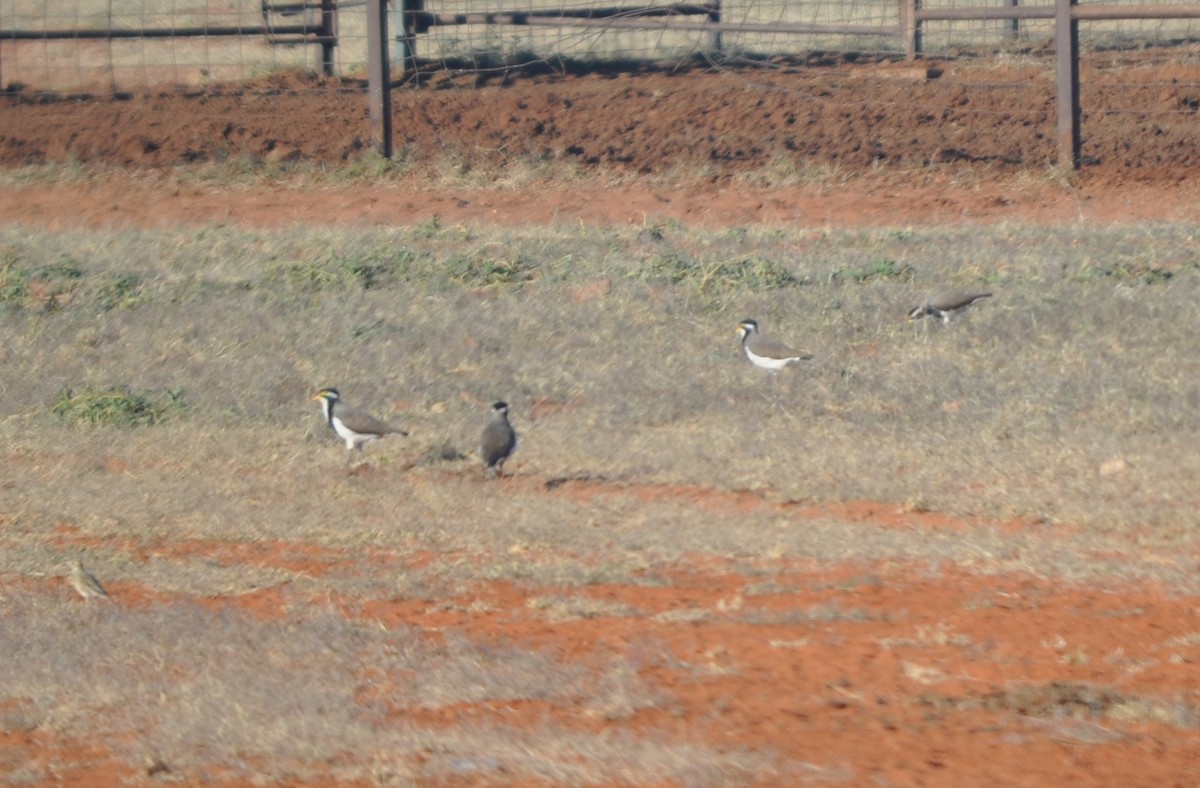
{"x": 122, "y": 44}
{"x": 96, "y": 46}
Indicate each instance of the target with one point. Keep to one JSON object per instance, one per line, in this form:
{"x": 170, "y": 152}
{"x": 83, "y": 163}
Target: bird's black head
{"x": 747, "y": 327}
{"x": 500, "y": 407}
{"x": 328, "y": 393}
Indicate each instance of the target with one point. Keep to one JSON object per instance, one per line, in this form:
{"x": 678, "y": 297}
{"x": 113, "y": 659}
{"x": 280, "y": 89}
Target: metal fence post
{"x": 379, "y": 78}
{"x": 407, "y": 11}
{"x": 1014, "y": 24}
{"x": 714, "y": 38}
{"x": 1066, "y": 55}
{"x": 328, "y": 35}
{"x": 911, "y": 27}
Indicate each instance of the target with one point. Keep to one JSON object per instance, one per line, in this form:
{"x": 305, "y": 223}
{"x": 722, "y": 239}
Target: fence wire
{"x": 120, "y": 45}
{"x": 62, "y": 43}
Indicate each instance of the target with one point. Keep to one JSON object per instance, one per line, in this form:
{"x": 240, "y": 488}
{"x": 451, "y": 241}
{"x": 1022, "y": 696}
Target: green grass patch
{"x": 481, "y": 270}
{"x": 752, "y": 273}
{"x": 881, "y": 269}
{"x": 115, "y": 406}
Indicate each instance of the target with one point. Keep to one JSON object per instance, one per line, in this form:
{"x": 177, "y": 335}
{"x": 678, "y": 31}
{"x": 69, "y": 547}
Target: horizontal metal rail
{"x": 1078, "y": 12}
{"x": 1091, "y": 12}
{"x": 160, "y": 32}
{"x": 986, "y": 13}
{"x": 644, "y": 21}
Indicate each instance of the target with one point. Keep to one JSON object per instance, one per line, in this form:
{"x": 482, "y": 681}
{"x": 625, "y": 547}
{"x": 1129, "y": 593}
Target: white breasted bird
{"x": 357, "y": 428}
{"x": 84, "y": 584}
{"x": 945, "y": 306}
{"x": 498, "y": 441}
{"x": 764, "y": 352}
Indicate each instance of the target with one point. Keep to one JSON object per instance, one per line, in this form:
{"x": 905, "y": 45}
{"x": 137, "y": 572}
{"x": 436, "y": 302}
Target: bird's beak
{"x": 319, "y": 395}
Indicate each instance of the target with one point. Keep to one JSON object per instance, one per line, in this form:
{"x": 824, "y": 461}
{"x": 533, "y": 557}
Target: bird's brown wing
{"x": 496, "y": 442}
{"x": 359, "y": 421}
{"x": 770, "y": 348}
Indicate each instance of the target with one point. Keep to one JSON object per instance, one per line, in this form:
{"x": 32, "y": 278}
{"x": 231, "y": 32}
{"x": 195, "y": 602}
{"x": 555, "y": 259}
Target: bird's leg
{"x": 776, "y": 394}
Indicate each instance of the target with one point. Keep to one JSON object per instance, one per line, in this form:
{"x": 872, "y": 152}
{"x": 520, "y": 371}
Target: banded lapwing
{"x": 498, "y": 441}
{"x": 84, "y": 583}
{"x": 357, "y": 428}
{"x": 764, "y": 352}
{"x": 945, "y": 306}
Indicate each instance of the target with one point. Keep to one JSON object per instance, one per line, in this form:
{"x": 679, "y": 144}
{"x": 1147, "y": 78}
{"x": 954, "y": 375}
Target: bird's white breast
{"x": 773, "y": 364}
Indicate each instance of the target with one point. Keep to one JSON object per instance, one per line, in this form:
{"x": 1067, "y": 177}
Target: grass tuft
{"x": 1129, "y": 271}
{"x": 751, "y": 273}
{"x": 478, "y": 270}
{"x": 115, "y": 406}
{"x": 120, "y": 291}
{"x": 881, "y": 269}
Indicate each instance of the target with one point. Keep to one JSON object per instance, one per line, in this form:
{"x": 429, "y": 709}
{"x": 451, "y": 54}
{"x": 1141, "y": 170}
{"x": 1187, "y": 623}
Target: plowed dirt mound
{"x": 851, "y": 117}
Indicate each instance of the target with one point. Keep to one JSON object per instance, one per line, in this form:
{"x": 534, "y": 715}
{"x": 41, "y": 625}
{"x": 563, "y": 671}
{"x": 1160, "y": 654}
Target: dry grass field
{"x": 959, "y": 554}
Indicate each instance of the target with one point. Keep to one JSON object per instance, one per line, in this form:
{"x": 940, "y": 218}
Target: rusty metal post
{"x": 379, "y": 77}
{"x": 1066, "y": 56}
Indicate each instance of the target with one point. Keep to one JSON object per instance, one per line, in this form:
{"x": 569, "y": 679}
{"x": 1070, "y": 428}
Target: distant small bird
{"x": 764, "y": 352}
{"x": 946, "y": 305}
{"x": 354, "y": 426}
{"x": 82, "y": 581}
{"x": 498, "y": 441}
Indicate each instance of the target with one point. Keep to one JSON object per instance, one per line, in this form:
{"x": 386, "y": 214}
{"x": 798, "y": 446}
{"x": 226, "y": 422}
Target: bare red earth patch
{"x": 864, "y": 674}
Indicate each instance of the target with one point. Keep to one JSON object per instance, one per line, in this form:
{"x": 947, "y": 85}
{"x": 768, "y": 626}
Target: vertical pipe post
{"x": 328, "y": 35}
{"x": 714, "y": 37}
{"x": 911, "y": 27}
{"x": 1066, "y": 56}
{"x": 407, "y": 11}
{"x": 1014, "y": 24}
{"x": 379, "y": 78}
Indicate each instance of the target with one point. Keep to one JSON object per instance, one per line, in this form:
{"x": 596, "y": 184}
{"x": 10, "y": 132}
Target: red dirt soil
{"x": 870, "y": 143}
{"x": 868, "y": 674}
{"x": 883, "y": 674}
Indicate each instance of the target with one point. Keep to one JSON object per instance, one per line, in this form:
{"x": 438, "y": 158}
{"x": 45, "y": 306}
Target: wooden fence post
{"x": 1066, "y": 55}
{"x": 379, "y": 78}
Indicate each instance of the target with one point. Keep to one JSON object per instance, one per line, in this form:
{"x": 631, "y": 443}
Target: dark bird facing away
{"x": 498, "y": 441}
